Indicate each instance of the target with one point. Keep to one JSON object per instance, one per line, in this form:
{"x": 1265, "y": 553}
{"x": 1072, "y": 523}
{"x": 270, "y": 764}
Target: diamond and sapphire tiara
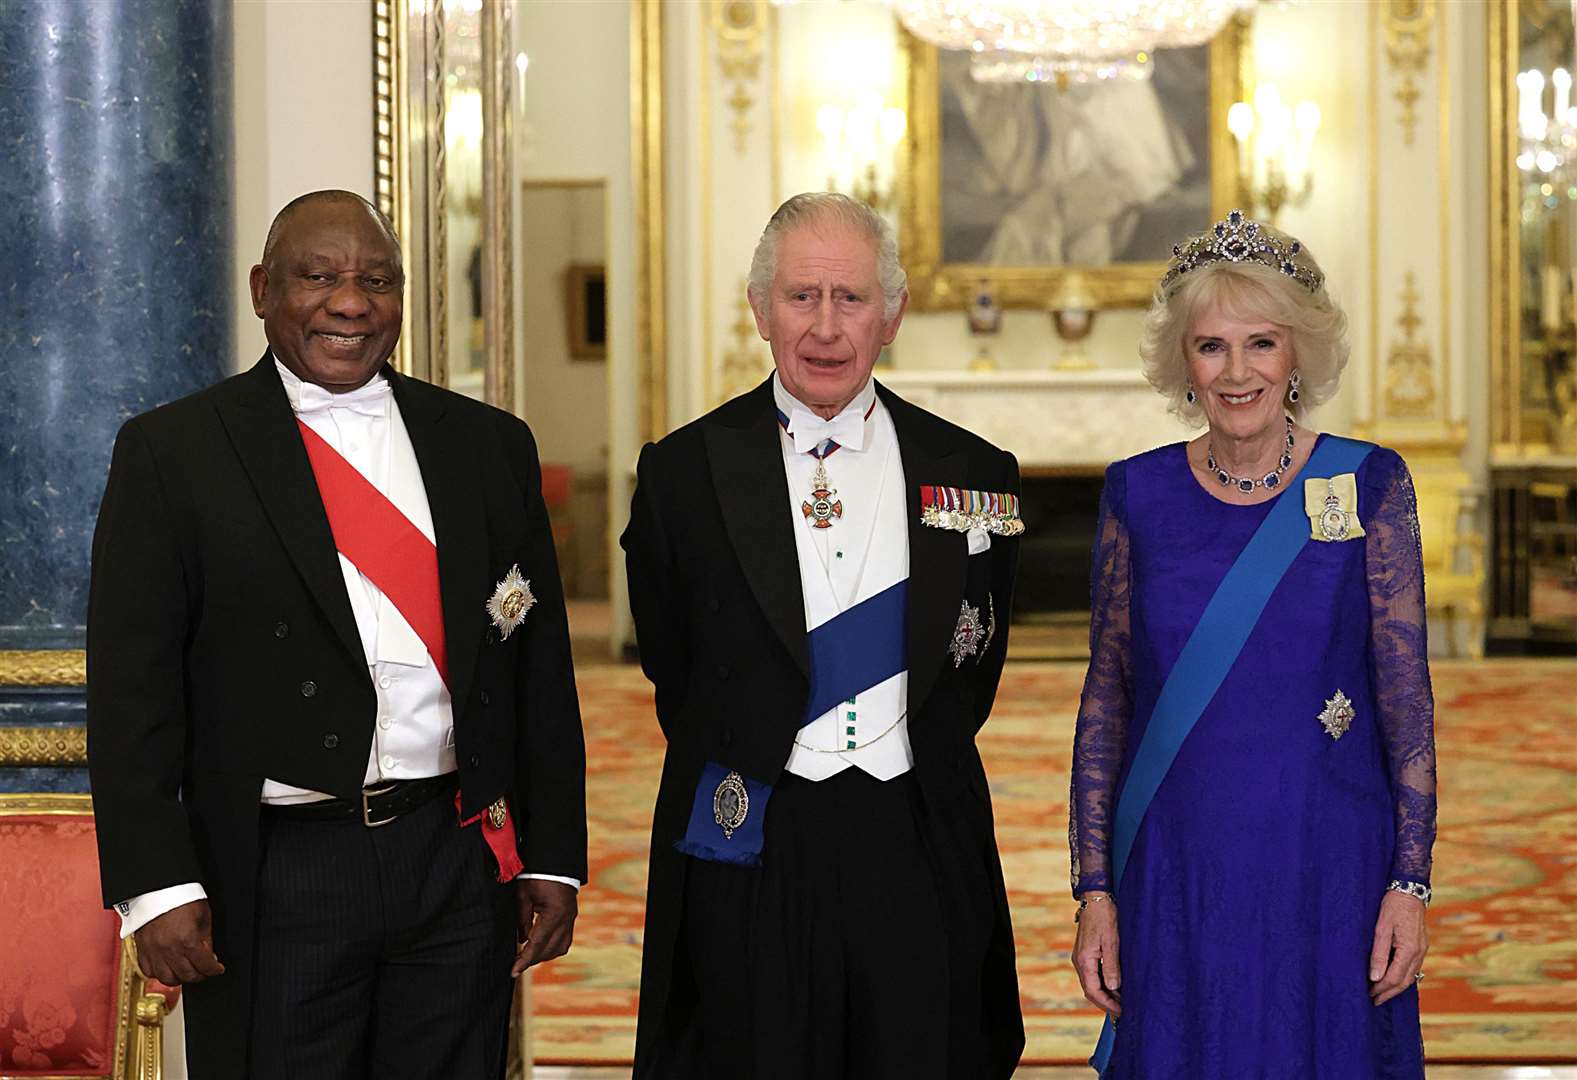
{"x": 1237, "y": 239}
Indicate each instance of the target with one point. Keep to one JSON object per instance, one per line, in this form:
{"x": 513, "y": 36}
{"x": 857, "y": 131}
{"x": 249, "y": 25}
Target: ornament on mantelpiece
{"x": 1072, "y": 311}
{"x": 985, "y": 320}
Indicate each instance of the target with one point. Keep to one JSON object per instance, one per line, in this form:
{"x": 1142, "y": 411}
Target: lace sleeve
{"x": 1399, "y": 652}
{"x": 1107, "y": 701}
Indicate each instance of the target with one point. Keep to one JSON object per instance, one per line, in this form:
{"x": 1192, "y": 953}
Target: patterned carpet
{"x": 1502, "y": 982}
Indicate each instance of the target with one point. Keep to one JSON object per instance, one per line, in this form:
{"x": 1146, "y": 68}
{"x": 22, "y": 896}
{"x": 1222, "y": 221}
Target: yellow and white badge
{"x": 1332, "y": 506}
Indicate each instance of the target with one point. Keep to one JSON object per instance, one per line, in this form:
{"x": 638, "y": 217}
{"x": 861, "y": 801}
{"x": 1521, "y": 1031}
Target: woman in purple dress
{"x": 1253, "y": 801}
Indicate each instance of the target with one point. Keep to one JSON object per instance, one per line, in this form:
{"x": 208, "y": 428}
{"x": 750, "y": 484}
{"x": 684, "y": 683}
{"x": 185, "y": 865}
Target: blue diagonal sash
{"x": 849, "y": 653}
{"x": 1211, "y": 651}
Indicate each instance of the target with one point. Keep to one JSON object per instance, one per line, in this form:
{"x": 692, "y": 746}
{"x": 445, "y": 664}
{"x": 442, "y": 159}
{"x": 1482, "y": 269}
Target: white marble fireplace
{"x": 1054, "y": 421}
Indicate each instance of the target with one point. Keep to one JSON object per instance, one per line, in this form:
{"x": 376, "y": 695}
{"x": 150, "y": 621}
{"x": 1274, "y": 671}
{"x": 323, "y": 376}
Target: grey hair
{"x": 1247, "y": 291}
{"x": 814, "y": 208}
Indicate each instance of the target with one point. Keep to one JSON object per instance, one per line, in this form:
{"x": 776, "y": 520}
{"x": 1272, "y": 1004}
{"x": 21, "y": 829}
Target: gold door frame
{"x": 1505, "y": 246}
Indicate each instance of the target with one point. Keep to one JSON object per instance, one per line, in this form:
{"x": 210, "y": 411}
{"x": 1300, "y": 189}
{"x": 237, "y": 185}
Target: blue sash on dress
{"x": 1211, "y": 651}
{"x": 849, "y": 653}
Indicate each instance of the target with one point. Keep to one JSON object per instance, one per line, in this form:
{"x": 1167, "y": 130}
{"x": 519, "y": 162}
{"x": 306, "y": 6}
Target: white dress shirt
{"x": 413, "y": 737}
{"x": 861, "y": 554}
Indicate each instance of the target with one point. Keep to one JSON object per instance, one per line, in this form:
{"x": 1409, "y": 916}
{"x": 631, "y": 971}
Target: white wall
{"x": 574, "y": 124}
{"x": 303, "y": 121}
{"x": 563, "y": 398}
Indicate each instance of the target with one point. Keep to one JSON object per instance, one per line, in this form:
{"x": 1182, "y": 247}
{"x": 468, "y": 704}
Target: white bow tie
{"x": 810, "y": 431}
{"x": 369, "y": 400}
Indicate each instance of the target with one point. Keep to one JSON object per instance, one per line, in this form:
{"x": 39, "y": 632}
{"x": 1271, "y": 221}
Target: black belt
{"x": 377, "y": 805}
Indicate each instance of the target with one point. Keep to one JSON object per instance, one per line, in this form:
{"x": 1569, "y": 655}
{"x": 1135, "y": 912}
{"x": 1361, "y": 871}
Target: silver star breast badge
{"x": 1337, "y": 716}
{"x": 966, "y": 635}
{"x": 509, "y": 603}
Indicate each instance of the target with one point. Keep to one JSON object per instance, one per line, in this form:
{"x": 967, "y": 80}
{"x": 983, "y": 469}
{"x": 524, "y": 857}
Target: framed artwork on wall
{"x": 586, "y": 310}
{"x": 1021, "y": 184}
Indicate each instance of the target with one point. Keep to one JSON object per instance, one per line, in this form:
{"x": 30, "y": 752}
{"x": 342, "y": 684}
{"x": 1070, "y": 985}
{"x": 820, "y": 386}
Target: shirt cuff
{"x": 573, "y": 882}
{"x": 141, "y": 910}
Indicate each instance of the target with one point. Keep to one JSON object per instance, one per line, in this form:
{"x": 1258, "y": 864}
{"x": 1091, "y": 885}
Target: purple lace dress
{"x": 1247, "y": 907}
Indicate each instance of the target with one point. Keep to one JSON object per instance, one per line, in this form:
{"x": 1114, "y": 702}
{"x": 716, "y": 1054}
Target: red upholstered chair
{"x": 72, "y": 1001}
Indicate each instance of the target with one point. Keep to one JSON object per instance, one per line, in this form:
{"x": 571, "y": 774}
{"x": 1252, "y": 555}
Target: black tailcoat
{"x": 222, "y": 650}
{"x": 715, "y": 591}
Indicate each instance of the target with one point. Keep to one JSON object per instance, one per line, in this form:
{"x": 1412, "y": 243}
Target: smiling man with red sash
{"x": 336, "y": 751}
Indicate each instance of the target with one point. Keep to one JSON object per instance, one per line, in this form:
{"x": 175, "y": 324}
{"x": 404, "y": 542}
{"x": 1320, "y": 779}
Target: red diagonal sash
{"x": 370, "y": 531}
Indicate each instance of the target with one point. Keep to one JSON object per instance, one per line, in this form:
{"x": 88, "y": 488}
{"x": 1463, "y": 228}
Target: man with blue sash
{"x": 821, "y": 576}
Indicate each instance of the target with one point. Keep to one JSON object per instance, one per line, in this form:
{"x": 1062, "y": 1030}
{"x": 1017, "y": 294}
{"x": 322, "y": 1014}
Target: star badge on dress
{"x": 1337, "y": 716}
{"x": 823, "y": 507}
{"x": 730, "y": 804}
{"x": 967, "y": 635}
{"x": 510, "y": 601}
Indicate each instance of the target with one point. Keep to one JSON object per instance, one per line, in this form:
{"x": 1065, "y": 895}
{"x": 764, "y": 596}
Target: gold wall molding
{"x": 648, "y": 164}
{"x": 498, "y": 233}
{"x": 43, "y": 667}
{"x": 743, "y": 366}
{"x": 1409, "y": 381}
{"x": 1407, "y": 28}
{"x": 1409, "y": 365}
{"x": 408, "y": 170}
{"x": 740, "y": 29}
{"x": 43, "y": 746}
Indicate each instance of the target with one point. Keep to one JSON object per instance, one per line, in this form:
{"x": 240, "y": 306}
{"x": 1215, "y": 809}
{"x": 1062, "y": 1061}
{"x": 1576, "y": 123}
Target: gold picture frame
{"x": 936, "y": 285}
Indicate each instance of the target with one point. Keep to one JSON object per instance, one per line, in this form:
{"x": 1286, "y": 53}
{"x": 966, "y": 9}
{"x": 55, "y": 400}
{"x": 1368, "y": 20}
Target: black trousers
{"x": 829, "y": 962}
{"x": 381, "y": 952}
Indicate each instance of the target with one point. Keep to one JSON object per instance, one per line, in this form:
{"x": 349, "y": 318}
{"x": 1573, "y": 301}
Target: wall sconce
{"x": 1274, "y": 144}
{"x": 860, "y": 142}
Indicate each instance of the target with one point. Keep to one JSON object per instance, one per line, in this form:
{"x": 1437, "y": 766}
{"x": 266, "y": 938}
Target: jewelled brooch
{"x": 1332, "y": 506}
{"x": 498, "y": 813}
{"x": 1337, "y": 715}
{"x": 509, "y": 603}
{"x": 730, "y": 804}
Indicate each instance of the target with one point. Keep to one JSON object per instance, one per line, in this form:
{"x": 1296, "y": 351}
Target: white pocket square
{"x": 979, "y": 540}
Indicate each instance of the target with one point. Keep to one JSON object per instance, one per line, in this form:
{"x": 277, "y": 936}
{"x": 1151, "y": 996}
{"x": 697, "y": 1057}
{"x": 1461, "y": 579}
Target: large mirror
{"x": 1534, "y": 186}
{"x": 443, "y": 82}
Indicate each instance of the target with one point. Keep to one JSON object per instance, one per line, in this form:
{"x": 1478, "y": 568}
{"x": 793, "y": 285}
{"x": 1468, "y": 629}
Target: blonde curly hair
{"x": 1248, "y": 292}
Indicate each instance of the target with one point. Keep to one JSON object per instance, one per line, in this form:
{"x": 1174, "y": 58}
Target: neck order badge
{"x": 823, "y": 507}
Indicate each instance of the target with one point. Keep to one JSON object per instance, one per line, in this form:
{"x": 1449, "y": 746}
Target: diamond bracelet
{"x": 1413, "y": 889}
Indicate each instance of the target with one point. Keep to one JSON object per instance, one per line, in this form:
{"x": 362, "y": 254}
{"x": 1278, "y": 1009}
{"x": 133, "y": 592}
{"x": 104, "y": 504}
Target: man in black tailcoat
{"x": 334, "y": 741}
{"x": 821, "y": 576}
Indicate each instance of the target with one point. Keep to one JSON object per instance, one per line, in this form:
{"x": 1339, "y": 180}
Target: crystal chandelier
{"x": 1063, "y": 40}
{"x": 1547, "y": 150}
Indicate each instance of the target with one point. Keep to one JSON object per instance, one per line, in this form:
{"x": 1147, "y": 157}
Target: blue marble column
{"x": 116, "y": 261}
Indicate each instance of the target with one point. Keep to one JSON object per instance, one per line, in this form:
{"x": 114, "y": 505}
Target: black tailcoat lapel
{"x": 938, "y": 558}
{"x": 752, "y": 492}
{"x": 260, "y": 423}
{"x": 451, "y": 472}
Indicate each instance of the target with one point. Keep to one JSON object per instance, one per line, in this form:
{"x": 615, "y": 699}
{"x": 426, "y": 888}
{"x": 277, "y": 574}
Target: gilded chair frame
{"x": 139, "y": 1015}
{"x": 938, "y": 286}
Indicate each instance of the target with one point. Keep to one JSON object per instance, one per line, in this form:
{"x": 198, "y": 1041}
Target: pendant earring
{"x": 1292, "y": 386}
{"x": 1190, "y": 396}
